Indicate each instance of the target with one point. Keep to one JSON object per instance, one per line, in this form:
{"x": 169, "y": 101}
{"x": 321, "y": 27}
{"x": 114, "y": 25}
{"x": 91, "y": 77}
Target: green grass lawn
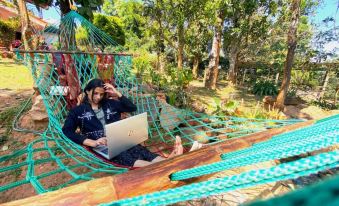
{"x": 14, "y": 76}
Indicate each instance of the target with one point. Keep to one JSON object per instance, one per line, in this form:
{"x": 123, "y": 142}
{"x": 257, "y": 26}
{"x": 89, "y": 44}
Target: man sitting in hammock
{"x": 91, "y": 116}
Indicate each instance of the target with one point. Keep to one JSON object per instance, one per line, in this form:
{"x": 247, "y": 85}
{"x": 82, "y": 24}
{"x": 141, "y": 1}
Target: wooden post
{"x": 149, "y": 179}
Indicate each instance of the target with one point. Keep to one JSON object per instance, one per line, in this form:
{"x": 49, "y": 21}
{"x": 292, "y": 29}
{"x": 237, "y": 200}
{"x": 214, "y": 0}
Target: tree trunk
{"x": 180, "y": 46}
{"x": 336, "y": 96}
{"x": 292, "y": 43}
{"x": 211, "y": 72}
{"x": 25, "y": 26}
{"x": 276, "y": 79}
{"x": 64, "y": 7}
{"x": 325, "y": 82}
{"x": 233, "y": 56}
{"x": 160, "y": 40}
{"x": 196, "y": 60}
{"x": 244, "y": 77}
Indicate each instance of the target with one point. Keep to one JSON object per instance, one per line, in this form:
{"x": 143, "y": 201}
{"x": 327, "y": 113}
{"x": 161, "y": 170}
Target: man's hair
{"x": 91, "y": 85}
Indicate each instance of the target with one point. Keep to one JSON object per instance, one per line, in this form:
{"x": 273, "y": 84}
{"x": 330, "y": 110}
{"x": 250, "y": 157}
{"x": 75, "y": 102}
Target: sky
{"x": 329, "y": 8}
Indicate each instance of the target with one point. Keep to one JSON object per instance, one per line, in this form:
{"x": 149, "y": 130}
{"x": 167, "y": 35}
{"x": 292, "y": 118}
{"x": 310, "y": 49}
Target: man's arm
{"x": 70, "y": 127}
{"x": 124, "y": 104}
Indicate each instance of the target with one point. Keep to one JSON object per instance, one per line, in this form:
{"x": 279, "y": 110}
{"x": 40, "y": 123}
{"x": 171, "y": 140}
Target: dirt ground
{"x": 14, "y": 142}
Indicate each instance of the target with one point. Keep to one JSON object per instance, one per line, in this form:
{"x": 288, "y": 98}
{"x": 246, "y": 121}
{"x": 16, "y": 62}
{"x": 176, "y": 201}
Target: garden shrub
{"x": 262, "y": 88}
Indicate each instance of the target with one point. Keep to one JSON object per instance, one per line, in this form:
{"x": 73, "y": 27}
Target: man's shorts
{"x": 138, "y": 152}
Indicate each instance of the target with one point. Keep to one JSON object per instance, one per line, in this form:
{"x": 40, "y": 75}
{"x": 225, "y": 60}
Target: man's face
{"x": 96, "y": 95}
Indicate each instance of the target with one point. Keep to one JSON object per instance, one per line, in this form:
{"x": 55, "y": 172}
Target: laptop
{"x": 123, "y": 135}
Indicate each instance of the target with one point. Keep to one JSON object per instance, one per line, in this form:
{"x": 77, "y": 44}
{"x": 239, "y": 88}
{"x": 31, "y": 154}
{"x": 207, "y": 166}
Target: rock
{"x": 198, "y": 107}
{"x": 195, "y": 134}
{"x": 4, "y": 148}
{"x": 314, "y": 112}
{"x": 282, "y": 115}
{"x": 170, "y": 117}
{"x": 269, "y": 100}
{"x": 5, "y": 96}
{"x": 36, "y": 118}
{"x": 147, "y": 88}
{"x": 27, "y": 122}
{"x": 310, "y": 112}
{"x": 293, "y": 101}
{"x": 292, "y": 111}
{"x": 38, "y": 110}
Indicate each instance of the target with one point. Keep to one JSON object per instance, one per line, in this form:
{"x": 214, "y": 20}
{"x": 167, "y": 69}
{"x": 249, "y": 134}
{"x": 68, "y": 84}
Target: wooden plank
{"x": 88, "y": 193}
{"x": 148, "y": 179}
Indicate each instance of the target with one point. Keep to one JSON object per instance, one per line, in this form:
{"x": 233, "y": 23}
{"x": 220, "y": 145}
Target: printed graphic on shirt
{"x": 86, "y": 115}
{"x": 95, "y": 134}
{"x": 109, "y": 112}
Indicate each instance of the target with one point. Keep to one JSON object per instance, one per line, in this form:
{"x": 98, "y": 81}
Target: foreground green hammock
{"x": 81, "y": 52}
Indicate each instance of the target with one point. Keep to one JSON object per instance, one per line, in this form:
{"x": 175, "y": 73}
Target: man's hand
{"x": 111, "y": 90}
{"x": 101, "y": 141}
{"x": 95, "y": 143}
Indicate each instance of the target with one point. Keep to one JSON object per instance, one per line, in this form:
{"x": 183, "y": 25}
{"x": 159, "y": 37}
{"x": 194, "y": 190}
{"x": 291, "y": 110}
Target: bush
{"x": 143, "y": 63}
{"x": 304, "y": 79}
{"x": 179, "y": 78}
{"x": 173, "y": 81}
{"x": 265, "y": 88}
{"x": 7, "y": 31}
{"x": 325, "y": 105}
{"x": 111, "y": 25}
{"x": 235, "y": 108}
{"x": 228, "y": 107}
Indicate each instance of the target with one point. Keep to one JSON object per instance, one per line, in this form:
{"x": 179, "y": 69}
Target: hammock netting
{"x": 75, "y": 51}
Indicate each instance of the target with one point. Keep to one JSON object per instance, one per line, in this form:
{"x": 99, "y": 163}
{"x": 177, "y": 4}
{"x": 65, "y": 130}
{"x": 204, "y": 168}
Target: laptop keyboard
{"x": 105, "y": 151}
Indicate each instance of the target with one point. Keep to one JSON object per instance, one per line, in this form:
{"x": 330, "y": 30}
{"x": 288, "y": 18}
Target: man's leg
{"x": 178, "y": 148}
{"x": 141, "y": 163}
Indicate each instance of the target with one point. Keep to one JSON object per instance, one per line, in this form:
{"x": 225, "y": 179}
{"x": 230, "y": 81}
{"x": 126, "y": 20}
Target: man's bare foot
{"x": 178, "y": 148}
{"x": 196, "y": 145}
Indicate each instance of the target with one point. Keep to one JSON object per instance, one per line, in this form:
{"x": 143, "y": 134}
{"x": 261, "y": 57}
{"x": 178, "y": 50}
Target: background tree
{"x": 25, "y": 24}
{"x": 211, "y": 72}
{"x": 132, "y": 20}
{"x": 238, "y": 23}
{"x": 247, "y": 22}
{"x": 291, "y": 43}
{"x": 198, "y": 36}
{"x": 111, "y": 25}
{"x": 170, "y": 22}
